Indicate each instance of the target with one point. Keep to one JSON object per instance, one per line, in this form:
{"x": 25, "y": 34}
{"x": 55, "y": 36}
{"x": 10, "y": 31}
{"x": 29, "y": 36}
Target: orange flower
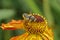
{"x": 35, "y": 25}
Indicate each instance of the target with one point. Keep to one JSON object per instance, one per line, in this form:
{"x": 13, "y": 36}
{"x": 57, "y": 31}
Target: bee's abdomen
{"x": 39, "y": 18}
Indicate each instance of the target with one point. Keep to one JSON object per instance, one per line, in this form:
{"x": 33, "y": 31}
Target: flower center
{"x": 34, "y": 27}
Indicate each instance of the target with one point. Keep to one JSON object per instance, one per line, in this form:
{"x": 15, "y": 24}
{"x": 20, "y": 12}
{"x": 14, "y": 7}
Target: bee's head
{"x": 29, "y": 17}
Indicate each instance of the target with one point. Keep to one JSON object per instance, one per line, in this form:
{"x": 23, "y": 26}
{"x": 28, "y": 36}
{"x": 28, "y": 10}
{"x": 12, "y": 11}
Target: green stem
{"x": 47, "y": 12}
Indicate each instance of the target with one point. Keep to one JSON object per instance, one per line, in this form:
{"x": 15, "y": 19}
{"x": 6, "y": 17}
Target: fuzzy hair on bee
{"x": 33, "y": 17}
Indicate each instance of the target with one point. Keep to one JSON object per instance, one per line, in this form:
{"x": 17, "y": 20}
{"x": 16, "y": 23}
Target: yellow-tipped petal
{"x": 13, "y": 25}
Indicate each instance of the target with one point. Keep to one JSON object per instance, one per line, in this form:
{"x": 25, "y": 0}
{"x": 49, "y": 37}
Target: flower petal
{"x": 21, "y": 37}
{"x": 13, "y": 25}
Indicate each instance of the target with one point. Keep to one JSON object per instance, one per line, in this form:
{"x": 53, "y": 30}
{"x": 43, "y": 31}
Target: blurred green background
{"x": 13, "y": 9}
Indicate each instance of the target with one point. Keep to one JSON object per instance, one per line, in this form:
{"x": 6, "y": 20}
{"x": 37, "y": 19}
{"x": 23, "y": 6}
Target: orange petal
{"x": 18, "y": 24}
{"x": 7, "y": 27}
{"x": 48, "y": 34}
{"x": 22, "y": 37}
